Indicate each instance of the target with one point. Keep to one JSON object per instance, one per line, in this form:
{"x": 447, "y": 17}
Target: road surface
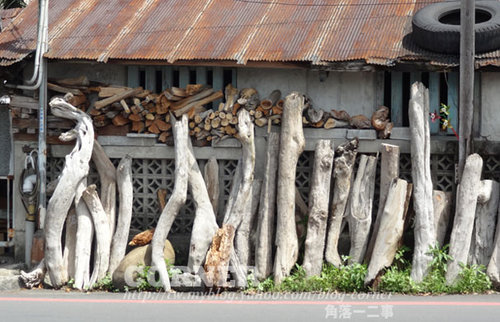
{"x": 47, "y": 305}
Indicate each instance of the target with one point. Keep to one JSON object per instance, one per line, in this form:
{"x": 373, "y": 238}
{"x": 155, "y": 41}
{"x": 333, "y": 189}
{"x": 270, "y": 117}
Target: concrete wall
{"x": 354, "y": 92}
{"x": 490, "y": 106}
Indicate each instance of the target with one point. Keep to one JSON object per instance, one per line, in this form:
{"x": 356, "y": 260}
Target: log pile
{"x": 119, "y": 110}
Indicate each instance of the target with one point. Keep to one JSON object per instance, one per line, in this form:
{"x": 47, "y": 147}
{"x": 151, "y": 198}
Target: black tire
{"x": 432, "y": 34}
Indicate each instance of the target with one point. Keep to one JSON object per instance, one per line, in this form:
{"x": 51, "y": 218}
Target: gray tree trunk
{"x": 292, "y": 144}
{"x": 422, "y": 182}
{"x": 345, "y": 157}
{"x": 319, "y": 197}
{"x": 463, "y": 223}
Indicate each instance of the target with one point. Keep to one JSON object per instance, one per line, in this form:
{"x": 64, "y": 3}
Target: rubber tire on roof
{"x": 433, "y": 35}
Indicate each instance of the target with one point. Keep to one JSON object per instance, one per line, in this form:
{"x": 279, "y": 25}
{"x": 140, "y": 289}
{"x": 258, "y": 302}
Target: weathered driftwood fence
{"x": 339, "y": 194}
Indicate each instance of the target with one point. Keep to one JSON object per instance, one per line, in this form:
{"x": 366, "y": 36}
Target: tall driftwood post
{"x": 242, "y": 238}
{"x": 292, "y": 144}
{"x": 126, "y": 200}
{"x": 345, "y": 157}
{"x": 75, "y": 170}
{"x": 319, "y": 197}
{"x": 84, "y": 237}
{"x": 70, "y": 243}
{"x": 265, "y": 223}
{"x": 205, "y": 221}
{"x": 390, "y": 229}
{"x": 422, "y": 182}
{"x": 211, "y": 176}
{"x": 102, "y": 232}
{"x": 107, "y": 177}
{"x": 216, "y": 257}
{"x": 484, "y": 225}
{"x": 360, "y": 207}
{"x": 493, "y": 268}
{"x": 442, "y": 212}
{"x": 463, "y": 224}
{"x": 389, "y": 170}
{"x": 176, "y": 200}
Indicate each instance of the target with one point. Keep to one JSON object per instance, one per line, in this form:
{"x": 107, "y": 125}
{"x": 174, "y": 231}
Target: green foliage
{"x": 349, "y": 278}
{"x": 346, "y": 278}
{"x": 171, "y": 270}
{"x": 142, "y": 280}
{"x": 105, "y": 284}
{"x": 472, "y": 279}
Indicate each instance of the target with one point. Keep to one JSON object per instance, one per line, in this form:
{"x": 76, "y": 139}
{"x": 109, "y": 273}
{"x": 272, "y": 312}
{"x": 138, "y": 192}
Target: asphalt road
{"x": 43, "y": 305}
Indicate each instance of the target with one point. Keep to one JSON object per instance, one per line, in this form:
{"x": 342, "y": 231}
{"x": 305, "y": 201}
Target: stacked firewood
{"x": 118, "y": 110}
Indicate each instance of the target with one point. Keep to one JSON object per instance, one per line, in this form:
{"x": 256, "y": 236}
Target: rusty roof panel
{"x": 314, "y": 31}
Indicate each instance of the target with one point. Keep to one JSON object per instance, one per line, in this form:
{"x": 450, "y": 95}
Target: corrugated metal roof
{"x": 315, "y": 31}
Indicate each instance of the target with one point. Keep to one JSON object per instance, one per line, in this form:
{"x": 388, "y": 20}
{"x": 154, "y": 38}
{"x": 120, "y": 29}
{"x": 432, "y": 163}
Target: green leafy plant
{"x": 349, "y": 278}
{"x": 105, "y": 284}
{"x": 71, "y": 283}
{"x": 142, "y": 280}
{"x": 473, "y": 279}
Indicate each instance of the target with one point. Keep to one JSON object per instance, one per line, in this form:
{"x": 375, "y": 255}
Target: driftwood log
{"x": 70, "y": 243}
{"x": 211, "y": 177}
{"x": 360, "y": 207}
{"x": 389, "y": 170}
{"x": 107, "y": 177}
{"x": 218, "y": 257}
{"x": 484, "y": 224}
{"x": 205, "y": 222}
{"x": 422, "y": 182}
{"x": 442, "y": 202}
{"x": 176, "y": 201}
{"x": 467, "y": 195}
{"x": 493, "y": 268}
{"x": 242, "y": 239}
{"x": 265, "y": 223}
{"x": 35, "y": 277}
{"x": 345, "y": 156}
{"x": 75, "y": 170}
{"x": 102, "y": 232}
{"x": 390, "y": 229}
{"x": 125, "y": 196}
{"x": 240, "y": 196}
{"x": 319, "y": 197}
{"x": 292, "y": 144}
{"x": 84, "y": 237}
